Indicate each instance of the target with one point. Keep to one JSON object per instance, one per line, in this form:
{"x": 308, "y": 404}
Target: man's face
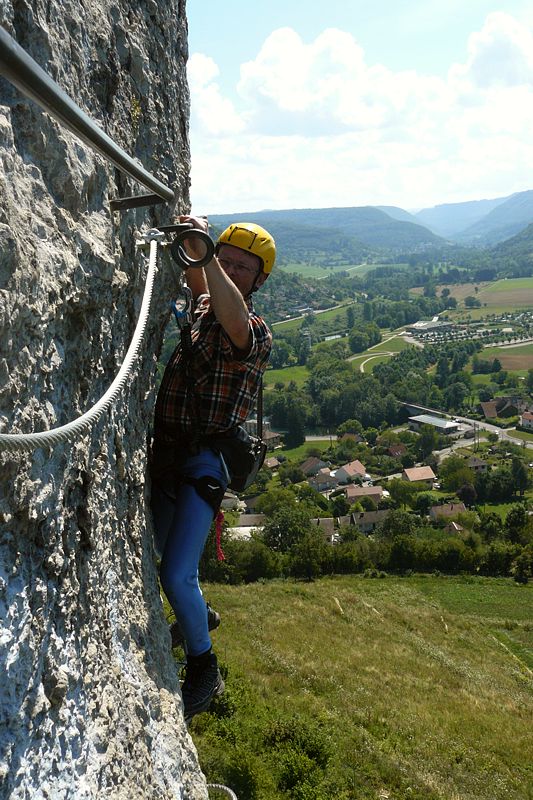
{"x": 241, "y": 267}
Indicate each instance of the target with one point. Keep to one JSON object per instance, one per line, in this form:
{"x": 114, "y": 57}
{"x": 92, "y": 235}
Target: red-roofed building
{"x": 350, "y": 471}
{"x": 354, "y": 493}
{"x": 419, "y": 475}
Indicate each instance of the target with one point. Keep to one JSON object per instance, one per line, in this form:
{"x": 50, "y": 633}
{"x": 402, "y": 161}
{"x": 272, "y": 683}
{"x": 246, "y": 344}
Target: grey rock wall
{"x": 89, "y": 696}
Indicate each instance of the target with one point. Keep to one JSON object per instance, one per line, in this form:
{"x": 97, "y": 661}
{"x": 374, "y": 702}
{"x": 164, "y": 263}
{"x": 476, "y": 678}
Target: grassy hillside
{"x": 357, "y": 688}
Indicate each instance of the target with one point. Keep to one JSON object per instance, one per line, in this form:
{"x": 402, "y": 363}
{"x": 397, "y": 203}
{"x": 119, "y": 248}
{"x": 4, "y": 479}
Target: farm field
{"x": 517, "y": 358}
{"x": 508, "y": 294}
{"x": 457, "y": 290}
{"x": 412, "y": 688}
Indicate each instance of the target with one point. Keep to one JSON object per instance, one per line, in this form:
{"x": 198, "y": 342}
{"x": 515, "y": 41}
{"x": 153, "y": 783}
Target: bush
{"x": 297, "y": 734}
{"x": 243, "y": 775}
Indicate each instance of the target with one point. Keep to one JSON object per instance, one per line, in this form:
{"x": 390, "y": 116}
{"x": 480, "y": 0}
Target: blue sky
{"x": 410, "y": 103}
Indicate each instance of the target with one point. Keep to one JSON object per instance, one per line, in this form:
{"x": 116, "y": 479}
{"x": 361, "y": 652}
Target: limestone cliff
{"x": 89, "y": 696}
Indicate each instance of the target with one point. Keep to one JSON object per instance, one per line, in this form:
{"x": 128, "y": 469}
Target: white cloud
{"x": 212, "y": 114}
{"x": 315, "y": 124}
{"x": 501, "y": 54}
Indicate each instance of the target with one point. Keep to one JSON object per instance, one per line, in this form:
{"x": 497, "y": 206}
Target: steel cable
{"x": 220, "y": 788}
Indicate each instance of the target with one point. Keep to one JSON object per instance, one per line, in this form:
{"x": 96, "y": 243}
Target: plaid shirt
{"x": 225, "y": 382}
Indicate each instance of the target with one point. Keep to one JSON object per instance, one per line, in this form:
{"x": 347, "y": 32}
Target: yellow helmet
{"x": 252, "y": 238}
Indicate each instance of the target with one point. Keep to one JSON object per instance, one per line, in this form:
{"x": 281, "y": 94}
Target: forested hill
{"x": 515, "y": 254}
{"x": 341, "y": 233}
{"x": 504, "y": 221}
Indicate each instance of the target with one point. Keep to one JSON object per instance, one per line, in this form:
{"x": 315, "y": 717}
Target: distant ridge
{"x": 450, "y": 219}
{"x": 367, "y": 224}
{"x": 504, "y": 221}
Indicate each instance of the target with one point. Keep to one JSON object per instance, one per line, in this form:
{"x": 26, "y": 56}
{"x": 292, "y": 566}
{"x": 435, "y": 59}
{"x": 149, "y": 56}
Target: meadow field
{"x": 497, "y": 297}
{"x": 360, "y": 688}
{"x": 517, "y": 358}
{"x": 514, "y": 293}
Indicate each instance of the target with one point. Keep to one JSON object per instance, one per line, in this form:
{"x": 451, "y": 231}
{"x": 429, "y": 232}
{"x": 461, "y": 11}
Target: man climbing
{"x": 208, "y": 389}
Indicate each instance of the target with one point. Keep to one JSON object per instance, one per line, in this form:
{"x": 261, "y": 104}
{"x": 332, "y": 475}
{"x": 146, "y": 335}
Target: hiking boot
{"x": 178, "y": 640}
{"x": 203, "y": 681}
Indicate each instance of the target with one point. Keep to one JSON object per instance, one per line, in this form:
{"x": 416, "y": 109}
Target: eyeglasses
{"x": 229, "y": 262}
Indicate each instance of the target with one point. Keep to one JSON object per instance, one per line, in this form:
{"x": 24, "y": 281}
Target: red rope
{"x": 219, "y": 519}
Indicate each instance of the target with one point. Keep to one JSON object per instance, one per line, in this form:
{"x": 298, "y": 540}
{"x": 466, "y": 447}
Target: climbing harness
{"x": 154, "y": 239}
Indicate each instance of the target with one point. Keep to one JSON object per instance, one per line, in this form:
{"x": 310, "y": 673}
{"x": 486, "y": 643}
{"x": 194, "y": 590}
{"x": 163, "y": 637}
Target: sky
{"x": 307, "y": 104}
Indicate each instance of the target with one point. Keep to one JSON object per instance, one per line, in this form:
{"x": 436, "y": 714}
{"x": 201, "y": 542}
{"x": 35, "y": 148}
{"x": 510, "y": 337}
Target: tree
{"x": 454, "y": 473}
{"x": 286, "y": 527}
{"x": 515, "y": 523}
{"x": 423, "y": 502}
{"x": 309, "y": 555}
{"x": 275, "y": 499}
{"x": 427, "y": 441}
{"x": 350, "y": 426}
{"x": 520, "y": 475}
{"x": 401, "y": 491}
{"x": 295, "y": 428}
{"x": 371, "y": 435}
{"x": 290, "y": 473}
{"x": 522, "y": 566}
{"x": 350, "y": 317}
{"x": 467, "y": 494}
{"x": 340, "y": 506}
{"x": 397, "y": 523}
{"x": 358, "y": 340}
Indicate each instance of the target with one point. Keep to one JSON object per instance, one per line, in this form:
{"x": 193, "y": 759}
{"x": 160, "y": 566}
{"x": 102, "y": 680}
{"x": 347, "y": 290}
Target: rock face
{"x": 89, "y": 696}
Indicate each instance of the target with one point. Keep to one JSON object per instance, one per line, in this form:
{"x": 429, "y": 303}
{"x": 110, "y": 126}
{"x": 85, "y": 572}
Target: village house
{"x": 477, "y": 464}
{"x": 351, "y": 437}
{"x": 367, "y": 521}
{"x": 446, "y": 511}
{"x": 327, "y": 525}
{"x": 272, "y": 463}
{"x": 396, "y": 450}
{"x": 526, "y": 419}
{"x": 246, "y": 524}
{"x": 272, "y": 439}
{"x": 323, "y": 480}
{"x": 345, "y": 519}
{"x": 355, "y": 493}
{"x": 348, "y": 472}
{"x": 419, "y": 475}
{"x": 312, "y": 465}
{"x": 502, "y": 407}
{"x": 453, "y": 527}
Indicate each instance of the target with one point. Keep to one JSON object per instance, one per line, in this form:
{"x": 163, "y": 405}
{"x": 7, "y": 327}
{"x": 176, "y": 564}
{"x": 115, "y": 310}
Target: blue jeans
{"x": 182, "y": 526}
